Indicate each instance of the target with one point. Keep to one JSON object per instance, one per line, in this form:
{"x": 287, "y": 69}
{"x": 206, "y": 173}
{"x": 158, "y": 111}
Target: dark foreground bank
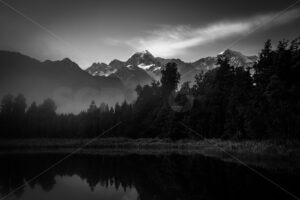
{"x": 269, "y": 154}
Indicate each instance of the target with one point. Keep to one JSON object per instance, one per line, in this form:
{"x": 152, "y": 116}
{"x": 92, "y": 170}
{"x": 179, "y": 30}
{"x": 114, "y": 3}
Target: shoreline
{"x": 281, "y": 156}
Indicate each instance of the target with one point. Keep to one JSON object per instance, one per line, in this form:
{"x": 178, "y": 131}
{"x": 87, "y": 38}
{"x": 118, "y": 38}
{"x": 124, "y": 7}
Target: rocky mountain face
{"x": 205, "y": 64}
{"x": 144, "y": 58}
{"x": 100, "y": 69}
{"x": 147, "y": 62}
{"x": 132, "y": 75}
{"x": 116, "y": 64}
{"x": 235, "y": 58}
{"x": 138, "y": 69}
{"x": 143, "y": 67}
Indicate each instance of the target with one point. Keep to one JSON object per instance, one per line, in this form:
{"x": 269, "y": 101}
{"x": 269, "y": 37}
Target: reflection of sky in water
{"x": 143, "y": 177}
{"x": 73, "y": 187}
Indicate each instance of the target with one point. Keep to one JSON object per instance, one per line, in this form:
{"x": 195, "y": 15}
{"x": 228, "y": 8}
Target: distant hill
{"x": 71, "y": 87}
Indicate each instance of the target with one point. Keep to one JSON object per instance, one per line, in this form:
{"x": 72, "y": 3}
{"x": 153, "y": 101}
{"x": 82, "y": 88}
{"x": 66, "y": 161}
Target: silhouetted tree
{"x": 92, "y": 108}
{"x": 170, "y": 78}
{"x": 48, "y": 107}
{"x": 6, "y": 115}
{"x": 19, "y": 105}
{"x": 7, "y": 105}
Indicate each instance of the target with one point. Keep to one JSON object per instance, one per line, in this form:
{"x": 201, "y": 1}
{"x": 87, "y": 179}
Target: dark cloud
{"x": 92, "y": 30}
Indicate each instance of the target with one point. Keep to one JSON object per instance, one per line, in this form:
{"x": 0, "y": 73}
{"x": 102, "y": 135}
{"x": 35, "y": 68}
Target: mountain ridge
{"x": 113, "y": 82}
{"x": 153, "y": 65}
{"x": 63, "y": 80}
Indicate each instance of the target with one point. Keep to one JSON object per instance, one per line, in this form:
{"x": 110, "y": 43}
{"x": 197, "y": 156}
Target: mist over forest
{"x": 256, "y": 101}
{"x": 149, "y": 100}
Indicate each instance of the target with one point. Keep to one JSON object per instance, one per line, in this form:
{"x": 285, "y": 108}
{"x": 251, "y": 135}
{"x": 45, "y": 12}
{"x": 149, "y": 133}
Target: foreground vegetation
{"x": 227, "y": 102}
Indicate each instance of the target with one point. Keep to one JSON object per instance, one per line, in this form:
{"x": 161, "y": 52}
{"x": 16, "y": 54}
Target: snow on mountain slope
{"x": 236, "y": 59}
{"x": 144, "y": 67}
{"x": 100, "y": 69}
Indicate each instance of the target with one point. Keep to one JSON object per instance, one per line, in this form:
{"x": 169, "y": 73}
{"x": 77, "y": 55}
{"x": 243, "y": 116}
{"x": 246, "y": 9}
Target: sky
{"x": 102, "y": 30}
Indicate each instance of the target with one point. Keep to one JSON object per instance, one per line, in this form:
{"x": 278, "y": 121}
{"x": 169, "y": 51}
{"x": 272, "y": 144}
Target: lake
{"x": 132, "y": 177}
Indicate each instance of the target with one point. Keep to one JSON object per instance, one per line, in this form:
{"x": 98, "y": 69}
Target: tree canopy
{"x": 228, "y": 102}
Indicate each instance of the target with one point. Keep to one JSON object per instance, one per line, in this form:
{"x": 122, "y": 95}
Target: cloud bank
{"x": 174, "y": 40}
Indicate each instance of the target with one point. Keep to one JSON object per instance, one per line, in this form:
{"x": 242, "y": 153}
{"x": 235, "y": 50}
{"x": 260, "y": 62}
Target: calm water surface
{"x": 134, "y": 177}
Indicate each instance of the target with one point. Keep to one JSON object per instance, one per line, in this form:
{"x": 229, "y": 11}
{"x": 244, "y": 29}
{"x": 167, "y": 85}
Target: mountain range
{"x": 73, "y": 88}
{"x": 142, "y": 67}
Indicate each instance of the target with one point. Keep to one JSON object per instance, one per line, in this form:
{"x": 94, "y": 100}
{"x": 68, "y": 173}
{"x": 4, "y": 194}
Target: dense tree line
{"x": 226, "y": 102}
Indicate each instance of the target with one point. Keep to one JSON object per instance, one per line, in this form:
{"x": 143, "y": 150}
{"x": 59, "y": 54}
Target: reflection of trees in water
{"x": 165, "y": 177}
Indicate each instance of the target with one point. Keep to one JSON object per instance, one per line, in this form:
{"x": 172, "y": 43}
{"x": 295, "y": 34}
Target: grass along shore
{"x": 269, "y": 154}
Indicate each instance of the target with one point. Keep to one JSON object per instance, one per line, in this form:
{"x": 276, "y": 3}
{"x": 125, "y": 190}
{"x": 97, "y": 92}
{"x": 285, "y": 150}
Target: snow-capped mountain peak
{"x": 142, "y": 67}
{"x": 238, "y": 59}
{"x": 100, "y": 69}
{"x": 142, "y": 53}
{"x": 147, "y": 62}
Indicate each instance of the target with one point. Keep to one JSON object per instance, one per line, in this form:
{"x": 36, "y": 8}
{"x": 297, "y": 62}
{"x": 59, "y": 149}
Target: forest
{"x": 226, "y": 102}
